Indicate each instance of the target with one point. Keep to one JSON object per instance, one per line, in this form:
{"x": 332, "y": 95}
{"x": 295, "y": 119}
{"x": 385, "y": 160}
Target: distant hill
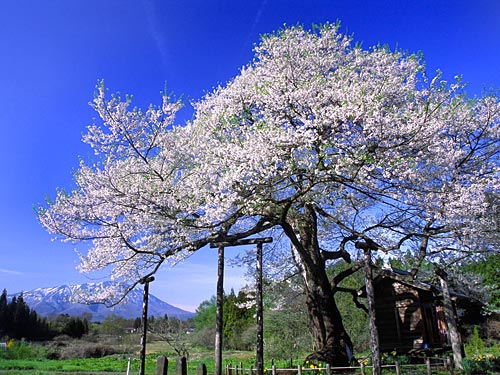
{"x": 61, "y": 300}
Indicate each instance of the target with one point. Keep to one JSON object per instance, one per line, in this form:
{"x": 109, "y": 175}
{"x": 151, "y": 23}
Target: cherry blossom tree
{"x": 339, "y": 148}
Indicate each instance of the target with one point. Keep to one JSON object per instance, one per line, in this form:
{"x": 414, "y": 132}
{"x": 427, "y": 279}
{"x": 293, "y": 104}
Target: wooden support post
{"x": 370, "y": 296}
{"x": 398, "y": 370}
{"x": 259, "y": 355}
{"x": 449, "y": 365}
{"x": 363, "y": 369}
{"x": 201, "y": 369}
{"x": 219, "y": 319}
{"x": 181, "y": 366}
{"x": 428, "y": 365}
{"x": 146, "y": 282}
{"x": 162, "y": 365}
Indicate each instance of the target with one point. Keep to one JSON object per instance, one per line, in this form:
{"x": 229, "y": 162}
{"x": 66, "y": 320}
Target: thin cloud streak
{"x": 154, "y": 31}
{"x": 10, "y": 272}
{"x": 255, "y": 24}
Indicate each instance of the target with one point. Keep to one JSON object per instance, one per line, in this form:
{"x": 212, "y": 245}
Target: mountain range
{"x": 62, "y": 300}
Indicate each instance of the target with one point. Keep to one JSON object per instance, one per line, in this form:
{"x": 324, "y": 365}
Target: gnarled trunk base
{"x": 340, "y": 355}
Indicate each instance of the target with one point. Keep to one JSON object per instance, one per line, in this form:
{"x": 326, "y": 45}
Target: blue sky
{"x": 53, "y": 52}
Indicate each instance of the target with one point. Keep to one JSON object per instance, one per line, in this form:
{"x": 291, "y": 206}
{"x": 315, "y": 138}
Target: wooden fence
{"x": 435, "y": 363}
{"x": 428, "y": 368}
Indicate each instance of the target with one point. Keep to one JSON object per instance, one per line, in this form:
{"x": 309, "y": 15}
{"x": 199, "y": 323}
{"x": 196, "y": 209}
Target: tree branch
{"x": 355, "y": 297}
{"x": 345, "y": 273}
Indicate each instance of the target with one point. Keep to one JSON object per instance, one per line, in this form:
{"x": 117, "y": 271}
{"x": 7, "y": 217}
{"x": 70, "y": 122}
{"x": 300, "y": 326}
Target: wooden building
{"x": 409, "y": 314}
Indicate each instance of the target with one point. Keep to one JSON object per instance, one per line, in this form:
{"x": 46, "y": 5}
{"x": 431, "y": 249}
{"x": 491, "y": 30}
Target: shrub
{"x": 86, "y": 350}
{"x": 494, "y": 350}
{"x": 477, "y": 365}
{"x": 20, "y": 350}
{"x": 392, "y": 358}
{"x": 475, "y": 344}
{"x": 204, "y": 338}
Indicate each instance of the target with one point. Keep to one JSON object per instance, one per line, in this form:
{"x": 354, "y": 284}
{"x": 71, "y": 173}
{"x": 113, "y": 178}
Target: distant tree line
{"x": 18, "y": 321}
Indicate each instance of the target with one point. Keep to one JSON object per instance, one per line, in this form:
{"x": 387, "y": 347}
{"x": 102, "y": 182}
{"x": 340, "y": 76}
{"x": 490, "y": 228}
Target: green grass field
{"x": 33, "y": 363}
{"x": 118, "y": 364}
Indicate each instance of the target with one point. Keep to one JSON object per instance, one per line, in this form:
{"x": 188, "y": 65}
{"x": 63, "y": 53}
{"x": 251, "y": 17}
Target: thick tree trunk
{"x": 332, "y": 343}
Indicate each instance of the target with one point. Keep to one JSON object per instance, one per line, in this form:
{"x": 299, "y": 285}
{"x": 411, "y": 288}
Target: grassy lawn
{"x": 117, "y": 364}
{"x": 105, "y": 364}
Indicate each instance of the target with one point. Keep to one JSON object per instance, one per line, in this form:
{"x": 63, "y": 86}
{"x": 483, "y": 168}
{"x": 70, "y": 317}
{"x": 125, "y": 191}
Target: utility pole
{"x": 259, "y": 305}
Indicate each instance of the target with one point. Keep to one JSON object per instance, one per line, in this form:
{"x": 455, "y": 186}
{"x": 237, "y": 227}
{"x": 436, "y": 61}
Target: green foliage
{"x": 204, "y": 323}
{"x": 205, "y": 315}
{"x": 23, "y": 350}
{"x": 239, "y": 314}
{"x": 96, "y": 365}
{"x": 481, "y": 359}
{"x": 73, "y": 326}
{"x": 238, "y": 320}
{"x": 356, "y": 319}
{"x": 118, "y": 363}
{"x": 392, "y": 358}
{"x": 487, "y": 268}
{"x": 286, "y": 331}
{"x": 475, "y": 345}
{"x": 113, "y": 325}
{"x": 478, "y": 365}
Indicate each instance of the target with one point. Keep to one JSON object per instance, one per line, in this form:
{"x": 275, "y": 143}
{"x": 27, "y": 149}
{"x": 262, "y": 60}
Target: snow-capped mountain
{"x": 65, "y": 300}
